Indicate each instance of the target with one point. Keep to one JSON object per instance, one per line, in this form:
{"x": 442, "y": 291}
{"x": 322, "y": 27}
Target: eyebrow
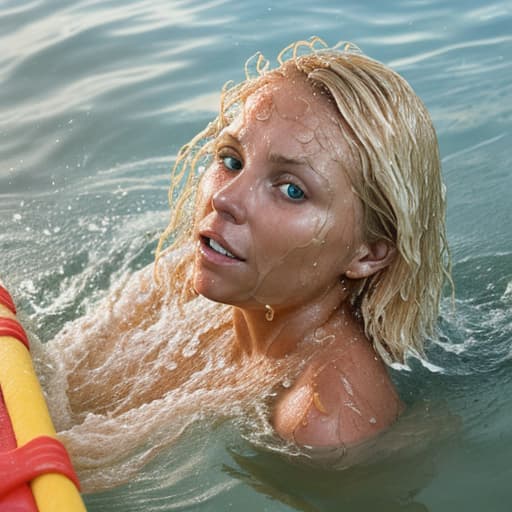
{"x": 276, "y": 158}
{"x": 284, "y": 160}
{"x": 227, "y": 138}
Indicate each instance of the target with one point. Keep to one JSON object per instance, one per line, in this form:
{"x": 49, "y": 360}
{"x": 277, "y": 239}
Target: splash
{"x": 121, "y": 391}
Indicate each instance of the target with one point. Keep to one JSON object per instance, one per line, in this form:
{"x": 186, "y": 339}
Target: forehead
{"x": 293, "y": 98}
{"x": 298, "y": 111}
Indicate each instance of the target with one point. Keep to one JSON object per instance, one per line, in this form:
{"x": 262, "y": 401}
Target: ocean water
{"x": 96, "y": 98}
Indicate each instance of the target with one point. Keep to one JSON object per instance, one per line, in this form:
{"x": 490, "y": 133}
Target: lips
{"x": 214, "y": 244}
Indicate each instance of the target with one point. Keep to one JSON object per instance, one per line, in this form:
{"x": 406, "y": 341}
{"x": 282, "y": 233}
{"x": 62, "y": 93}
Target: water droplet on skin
{"x": 347, "y": 386}
{"x": 352, "y": 407}
{"x": 264, "y": 114}
{"x": 171, "y": 365}
{"x": 318, "y": 334}
{"x": 318, "y": 404}
{"x": 321, "y": 336}
{"x": 305, "y": 136}
{"x": 286, "y": 383}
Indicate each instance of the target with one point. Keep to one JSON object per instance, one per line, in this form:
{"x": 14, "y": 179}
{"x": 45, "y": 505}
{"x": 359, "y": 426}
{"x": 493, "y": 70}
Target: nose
{"x": 229, "y": 201}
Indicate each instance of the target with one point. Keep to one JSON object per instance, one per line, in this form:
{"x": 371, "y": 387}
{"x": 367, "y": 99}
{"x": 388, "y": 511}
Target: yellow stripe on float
{"x": 6, "y": 312}
{"x": 30, "y": 419}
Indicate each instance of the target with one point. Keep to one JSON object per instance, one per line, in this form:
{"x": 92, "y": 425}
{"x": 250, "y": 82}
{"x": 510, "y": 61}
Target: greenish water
{"x": 96, "y": 98}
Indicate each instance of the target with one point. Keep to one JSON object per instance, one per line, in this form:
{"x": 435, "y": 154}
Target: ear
{"x": 370, "y": 259}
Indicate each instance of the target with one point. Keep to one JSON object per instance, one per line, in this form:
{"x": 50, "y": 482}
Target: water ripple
{"x": 413, "y": 60}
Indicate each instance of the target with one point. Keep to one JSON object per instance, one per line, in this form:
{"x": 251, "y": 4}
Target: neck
{"x": 258, "y": 336}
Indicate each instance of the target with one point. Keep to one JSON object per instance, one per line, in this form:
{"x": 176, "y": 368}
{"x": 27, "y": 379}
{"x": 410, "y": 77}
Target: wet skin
{"x": 282, "y": 206}
{"x": 278, "y": 228}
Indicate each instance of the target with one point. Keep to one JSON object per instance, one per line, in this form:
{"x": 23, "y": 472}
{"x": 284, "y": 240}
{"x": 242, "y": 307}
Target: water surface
{"x": 96, "y": 99}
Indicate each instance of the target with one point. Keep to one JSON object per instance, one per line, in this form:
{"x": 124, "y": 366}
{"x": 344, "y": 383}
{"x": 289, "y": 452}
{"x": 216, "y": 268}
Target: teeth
{"x": 218, "y": 248}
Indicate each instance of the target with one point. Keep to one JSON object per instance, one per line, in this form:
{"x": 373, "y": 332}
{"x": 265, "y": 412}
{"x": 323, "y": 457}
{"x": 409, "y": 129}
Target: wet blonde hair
{"x": 397, "y": 177}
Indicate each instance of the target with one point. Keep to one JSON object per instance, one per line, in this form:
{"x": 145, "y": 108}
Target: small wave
{"x": 414, "y": 60}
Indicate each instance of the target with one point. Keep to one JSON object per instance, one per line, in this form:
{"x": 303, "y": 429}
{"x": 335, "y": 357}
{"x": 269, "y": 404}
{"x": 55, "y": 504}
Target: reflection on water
{"x": 368, "y": 487}
{"x": 96, "y": 99}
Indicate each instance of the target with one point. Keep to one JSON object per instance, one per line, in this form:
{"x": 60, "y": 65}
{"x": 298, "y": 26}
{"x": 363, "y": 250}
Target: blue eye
{"x": 292, "y": 191}
{"x": 231, "y": 163}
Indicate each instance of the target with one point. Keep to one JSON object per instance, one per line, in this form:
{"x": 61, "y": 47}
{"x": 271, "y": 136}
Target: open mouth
{"x": 215, "y": 246}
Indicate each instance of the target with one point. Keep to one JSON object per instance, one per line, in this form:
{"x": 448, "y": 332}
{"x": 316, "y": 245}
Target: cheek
{"x": 296, "y": 230}
{"x": 208, "y": 182}
{"x": 312, "y": 245}
{"x": 200, "y": 208}
{"x": 201, "y": 194}
{"x": 208, "y": 185}
{"x": 291, "y": 249}
{"x": 295, "y": 276}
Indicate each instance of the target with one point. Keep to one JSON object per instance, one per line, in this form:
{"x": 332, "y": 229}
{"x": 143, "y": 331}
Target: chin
{"x": 217, "y": 291}
{"x": 209, "y": 290}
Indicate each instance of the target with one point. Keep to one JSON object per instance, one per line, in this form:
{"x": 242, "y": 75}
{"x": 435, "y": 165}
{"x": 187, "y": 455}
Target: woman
{"x": 308, "y": 249}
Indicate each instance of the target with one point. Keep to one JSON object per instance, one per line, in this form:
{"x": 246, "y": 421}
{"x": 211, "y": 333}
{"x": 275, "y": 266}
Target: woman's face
{"x": 277, "y": 222}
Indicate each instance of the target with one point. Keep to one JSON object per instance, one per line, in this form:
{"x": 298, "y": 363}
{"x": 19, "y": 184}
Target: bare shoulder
{"x": 342, "y": 397}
